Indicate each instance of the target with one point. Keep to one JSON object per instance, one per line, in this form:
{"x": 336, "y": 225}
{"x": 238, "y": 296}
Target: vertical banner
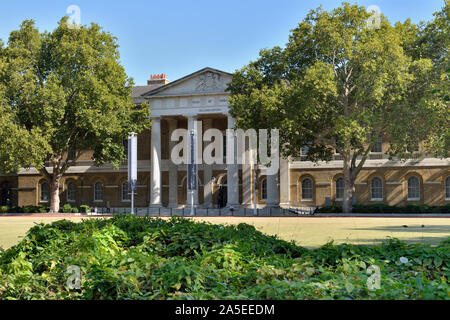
{"x": 132, "y": 162}
{"x": 192, "y": 166}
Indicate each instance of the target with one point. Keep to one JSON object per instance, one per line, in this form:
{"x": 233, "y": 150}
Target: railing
{"x": 211, "y": 212}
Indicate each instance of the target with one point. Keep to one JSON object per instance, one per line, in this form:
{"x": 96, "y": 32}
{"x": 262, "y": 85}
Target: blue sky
{"x": 181, "y": 36}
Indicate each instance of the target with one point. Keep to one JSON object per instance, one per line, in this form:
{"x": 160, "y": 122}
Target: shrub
{"x": 67, "y": 208}
{"x": 4, "y": 209}
{"x": 75, "y": 210}
{"x": 30, "y": 209}
{"x": 85, "y": 209}
{"x": 44, "y": 209}
{"x": 385, "y": 208}
{"x": 129, "y": 257}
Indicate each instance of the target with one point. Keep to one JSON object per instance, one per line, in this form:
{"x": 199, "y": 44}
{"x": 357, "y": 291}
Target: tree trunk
{"x": 349, "y": 189}
{"x": 54, "y": 194}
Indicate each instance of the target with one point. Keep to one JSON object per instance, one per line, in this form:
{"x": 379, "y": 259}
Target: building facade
{"x": 199, "y": 101}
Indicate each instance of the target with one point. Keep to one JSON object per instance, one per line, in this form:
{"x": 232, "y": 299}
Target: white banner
{"x": 132, "y": 161}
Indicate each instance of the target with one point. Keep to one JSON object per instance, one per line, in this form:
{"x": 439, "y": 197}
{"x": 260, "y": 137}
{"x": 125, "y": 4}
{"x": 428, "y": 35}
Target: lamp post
{"x": 192, "y": 171}
{"x": 132, "y": 167}
{"x": 255, "y": 176}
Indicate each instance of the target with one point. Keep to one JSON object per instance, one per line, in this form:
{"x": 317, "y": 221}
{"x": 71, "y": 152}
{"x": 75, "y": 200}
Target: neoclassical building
{"x": 199, "y": 101}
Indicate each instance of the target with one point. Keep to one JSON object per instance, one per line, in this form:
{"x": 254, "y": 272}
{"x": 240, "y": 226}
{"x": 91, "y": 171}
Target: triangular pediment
{"x": 204, "y": 81}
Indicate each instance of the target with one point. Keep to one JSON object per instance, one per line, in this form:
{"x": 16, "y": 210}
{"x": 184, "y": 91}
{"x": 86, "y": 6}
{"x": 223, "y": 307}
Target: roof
{"x": 138, "y": 91}
{"x": 170, "y": 84}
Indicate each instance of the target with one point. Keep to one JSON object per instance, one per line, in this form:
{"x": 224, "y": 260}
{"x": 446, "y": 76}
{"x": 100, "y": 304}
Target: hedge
{"x": 385, "y": 208}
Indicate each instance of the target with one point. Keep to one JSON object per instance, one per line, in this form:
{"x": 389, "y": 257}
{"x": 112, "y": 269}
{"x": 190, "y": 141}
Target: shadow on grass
{"x": 411, "y": 228}
{"x": 425, "y": 240}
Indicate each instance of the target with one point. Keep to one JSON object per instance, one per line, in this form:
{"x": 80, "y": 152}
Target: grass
{"x": 308, "y": 232}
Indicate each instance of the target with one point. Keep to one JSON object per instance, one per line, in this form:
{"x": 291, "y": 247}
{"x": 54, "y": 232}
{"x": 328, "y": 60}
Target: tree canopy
{"x": 61, "y": 91}
{"x": 339, "y": 86}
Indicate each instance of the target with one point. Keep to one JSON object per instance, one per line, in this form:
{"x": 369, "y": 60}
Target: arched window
{"x": 447, "y": 188}
{"x": 307, "y": 189}
{"x": 377, "y": 189}
{"x": 340, "y": 189}
{"x": 126, "y": 196}
{"x": 98, "y": 192}
{"x": 264, "y": 189}
{"x": 413, "y": 188}
{"x": 71, "y": 193}
{"x": 45, "y": 192}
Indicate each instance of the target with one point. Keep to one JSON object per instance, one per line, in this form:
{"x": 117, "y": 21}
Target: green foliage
{"x": 85, "y": 209}
{"x": 60, "y": 91}
{"x": 128, "y": 257}
{"x": 340, "y": 86}
{"x": 385, "y": 208}
{"x": 67, "y": 208}
{"x": 24, "y": 209}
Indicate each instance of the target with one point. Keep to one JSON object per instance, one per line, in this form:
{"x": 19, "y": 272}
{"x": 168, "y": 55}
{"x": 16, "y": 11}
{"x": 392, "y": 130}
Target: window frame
{"x": 447, "y": 188}
{"x": 68, "y": 199}
{"x": 41, "y": 199}
{"x": 408, "y": 188}
{"x": 372, "y": 198}
{"x": 95, "y": 191}
{"x": 264, "y": 189}
{"x": 128, "y": 199}
{"x": 310, "y": 187}
{"x": 336, "y": 189}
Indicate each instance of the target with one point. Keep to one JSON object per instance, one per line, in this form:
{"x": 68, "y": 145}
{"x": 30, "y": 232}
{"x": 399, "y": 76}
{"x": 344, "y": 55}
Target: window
{"x": 307, "y": 189}
{"x": 447, "y": 188}
{"x": 125, "y": 192}
{"x": 72, "y": 154}
{"x": 45, "y": 192}
{"x": 305, "y": 150}
{"x": 413, "y": 188}
{"x": 98, "y": 192}
{"x": 377, "y": 189}
{"x": 224, "y": 146}
{"x": 340, "y": 189}
{"x": 378, "y": 146}
{"x": 264, "y": 189}
{"x": 71, "y": 192}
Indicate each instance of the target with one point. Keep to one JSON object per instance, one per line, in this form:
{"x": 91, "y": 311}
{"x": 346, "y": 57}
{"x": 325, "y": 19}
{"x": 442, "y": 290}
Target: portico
{"x": 197, "y": 102}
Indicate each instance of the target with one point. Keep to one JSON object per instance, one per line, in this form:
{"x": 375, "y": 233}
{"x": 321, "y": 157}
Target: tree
{"x": 61, "y": 91}
{"x": 339, "y": 85}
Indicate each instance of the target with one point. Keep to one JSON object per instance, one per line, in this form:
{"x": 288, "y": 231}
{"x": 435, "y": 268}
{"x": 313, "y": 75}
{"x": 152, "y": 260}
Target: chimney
{"x": 158, "y": 79}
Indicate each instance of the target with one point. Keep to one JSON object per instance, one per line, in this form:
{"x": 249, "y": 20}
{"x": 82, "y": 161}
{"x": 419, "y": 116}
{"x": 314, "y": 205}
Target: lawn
{"x": 310, "y": 232}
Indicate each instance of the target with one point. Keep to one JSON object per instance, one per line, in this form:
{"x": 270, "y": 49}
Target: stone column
{"x": 207, "y": 174}
{"x": 191, "y": 126}
{"x": 155, "y": 180}
{"x": 232, "y": 167}
{"x": 173, "y": 168}
{"x": 247, "y": 185}
{"x": 285, "y": 183}
{"x": 272, "y": 190}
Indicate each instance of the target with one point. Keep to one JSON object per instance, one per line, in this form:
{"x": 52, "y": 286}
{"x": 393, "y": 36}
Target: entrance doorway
{"x": 222, "y": 196}
{"x": 5, "y": 194}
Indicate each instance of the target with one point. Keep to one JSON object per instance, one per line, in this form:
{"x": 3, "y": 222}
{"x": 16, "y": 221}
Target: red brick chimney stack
{"x": 158, "y": 79}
